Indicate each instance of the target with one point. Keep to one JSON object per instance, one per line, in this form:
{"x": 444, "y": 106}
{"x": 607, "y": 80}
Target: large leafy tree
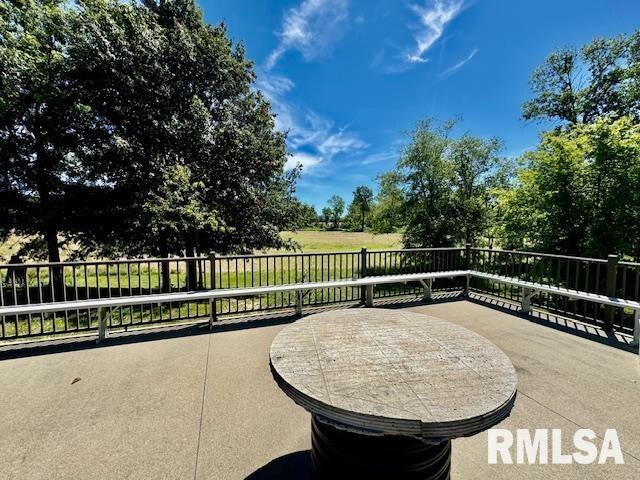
{"x": 362, "y": 200}
{"x": 579, "y": 192}
{"x": 578, "y": 86}
{"x": 447, "y": 185}
{"x": 424, "y": 175}
{"x": 336, "y": 207}
{"x": 174, "y": 92}
{"x": 387, "y": 213}
{"x": 43, "y": 182}
{"x": 476, "y": 169}
{"x": 133, "y": 128}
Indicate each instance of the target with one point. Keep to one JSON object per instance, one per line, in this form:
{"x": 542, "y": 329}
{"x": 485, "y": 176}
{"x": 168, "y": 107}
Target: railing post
{"x": 612, "y": 269}
{"x": 363, "y": 273}
{"x": 103, "y": 332}
{"x": 212, "y": 301}
{"x": 299, "y": 300}
{"x": 636, "y": 329}
{"x": 427, "y": 290}
{"x": 526, "y": 300}
{"x": 467, "y": 262}
{"x": 369, "y": 296}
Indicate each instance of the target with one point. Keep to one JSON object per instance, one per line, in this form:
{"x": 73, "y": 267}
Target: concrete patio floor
{"x": 204, "y": 406}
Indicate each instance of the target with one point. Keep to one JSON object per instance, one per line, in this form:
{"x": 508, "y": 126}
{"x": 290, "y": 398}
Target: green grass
{"x": 100, "y": 282}
{"x": 328, "y": 241}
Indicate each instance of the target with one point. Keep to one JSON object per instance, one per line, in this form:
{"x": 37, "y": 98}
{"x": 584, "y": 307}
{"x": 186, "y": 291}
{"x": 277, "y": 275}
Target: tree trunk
{"x": 48, "y": 221}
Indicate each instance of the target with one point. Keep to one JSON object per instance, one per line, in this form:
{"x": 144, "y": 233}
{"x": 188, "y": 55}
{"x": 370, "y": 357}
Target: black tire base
{"x": 341, "y": 454}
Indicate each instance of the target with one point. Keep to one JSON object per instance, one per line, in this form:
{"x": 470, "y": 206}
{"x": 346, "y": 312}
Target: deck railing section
{"x": 593, "y": 275}
{"x": 64, "y": 281}
{"x": 56, "y": 282}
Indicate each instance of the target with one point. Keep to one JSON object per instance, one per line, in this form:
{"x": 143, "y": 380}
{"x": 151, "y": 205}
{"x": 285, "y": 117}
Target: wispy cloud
{"x": 434, "y": 16}
{"x": 312, "y": 138}
{"x": 307, "y": 161}
{"x": 311, "y": 28}
{"x": 380, "y": 157}
{"x": 451, "y": 70}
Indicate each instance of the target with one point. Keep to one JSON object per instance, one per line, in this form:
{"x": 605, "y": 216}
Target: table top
{"x": 378, "y": 371}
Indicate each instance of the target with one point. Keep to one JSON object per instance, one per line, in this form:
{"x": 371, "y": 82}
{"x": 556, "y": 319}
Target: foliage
{"x": 336, "y": 205}
{"x": 476, "y": 171}
{"x": 303, "y": 215}
{"x": 327, "y": 215}
{"x": 579, "y": 192}
{"x": 361, "y": 203}
{"x": 442, "y": 187}
{"x": 386, "y": 214}
{"x": 579, "y": 86}
{"x": 41, "y": 126}
{"x": 207, "y": 118}
{"x": 111, "y": 112}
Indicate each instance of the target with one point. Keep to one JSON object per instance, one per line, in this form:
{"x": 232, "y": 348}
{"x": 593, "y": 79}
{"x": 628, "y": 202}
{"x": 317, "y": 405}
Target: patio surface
{"x": 205, "y": 406}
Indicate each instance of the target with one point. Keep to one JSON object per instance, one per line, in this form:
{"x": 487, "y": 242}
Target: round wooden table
{"x": 389, "y": 389}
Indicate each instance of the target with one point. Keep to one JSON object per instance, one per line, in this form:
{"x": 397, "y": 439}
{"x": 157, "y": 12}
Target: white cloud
{"x": 311, "y": 28}
{"x": 312, "y": 138}
{"x": 434, "y": 16}
{"x": 380, "y": 157}
{"x": 305, "y": 159}
{"x": 451, "y": 70}
{"x": 336, "y": 143}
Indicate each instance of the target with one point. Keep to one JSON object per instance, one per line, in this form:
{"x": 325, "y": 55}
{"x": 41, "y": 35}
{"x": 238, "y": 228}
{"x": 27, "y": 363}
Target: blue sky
{"x": 349, "y": 78}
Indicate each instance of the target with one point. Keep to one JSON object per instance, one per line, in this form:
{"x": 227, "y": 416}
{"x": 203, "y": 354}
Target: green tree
{"x": 578, "y": 86}
{"x": 327, "y": 216}
{"x": 425, "y": 177}
{"x": 102, "y": 102}
{"x": 336, "y": 205}
{"x": 446, "y": 185}
{"x": 362, "y": 199}
{"x": 475, "y": 163}
{"x": 546, "y": 209}
{"x": 387, "y": 214}
{"x": 579, "y": 192}
{"x": 207, "y": 118}
{"x": 41, "y": 126}
{"x": 304, "y": 215}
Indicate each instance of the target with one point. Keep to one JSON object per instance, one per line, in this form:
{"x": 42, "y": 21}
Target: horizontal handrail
{"x": 539, "y": 254}
{"x": 249, "y": 291}
{"x": 566, "y": 292}
{"x": 101, "y": 262}
{"x": 530, "y": 288}
{"x": 203, "y": 295}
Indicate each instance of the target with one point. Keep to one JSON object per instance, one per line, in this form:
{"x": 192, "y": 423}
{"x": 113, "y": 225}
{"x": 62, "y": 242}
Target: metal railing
{"x": 593, "y": 275}
{"x": 24, "y": 284}
{"x": 31, "y": 283}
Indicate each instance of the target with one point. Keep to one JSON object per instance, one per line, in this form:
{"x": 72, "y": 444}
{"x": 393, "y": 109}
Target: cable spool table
{"x": 388, "y": 390}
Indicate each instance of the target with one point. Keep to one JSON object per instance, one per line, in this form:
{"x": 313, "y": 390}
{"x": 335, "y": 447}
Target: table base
{"x": 341, "y": 454}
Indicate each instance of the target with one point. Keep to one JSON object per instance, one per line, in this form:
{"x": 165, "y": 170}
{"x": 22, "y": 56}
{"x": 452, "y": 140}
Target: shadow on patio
{"x": 183, "y": 403}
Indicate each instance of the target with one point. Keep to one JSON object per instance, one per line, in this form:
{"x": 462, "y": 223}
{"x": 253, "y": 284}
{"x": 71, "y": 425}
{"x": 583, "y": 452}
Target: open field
{"x": 329, "y": 241}
{"x": 309, "y": 241}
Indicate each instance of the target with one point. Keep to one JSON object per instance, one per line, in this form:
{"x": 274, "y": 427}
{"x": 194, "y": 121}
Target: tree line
{"x": 577, "y": 192}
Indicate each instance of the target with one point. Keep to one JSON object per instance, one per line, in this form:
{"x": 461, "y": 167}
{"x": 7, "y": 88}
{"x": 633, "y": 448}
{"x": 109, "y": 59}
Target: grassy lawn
{"x": 310, "y": 241}
{"x": 326, "y": 241}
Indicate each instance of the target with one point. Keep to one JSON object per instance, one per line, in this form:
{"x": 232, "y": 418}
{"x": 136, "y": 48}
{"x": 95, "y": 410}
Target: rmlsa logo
{"x": 531, "y": 450}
